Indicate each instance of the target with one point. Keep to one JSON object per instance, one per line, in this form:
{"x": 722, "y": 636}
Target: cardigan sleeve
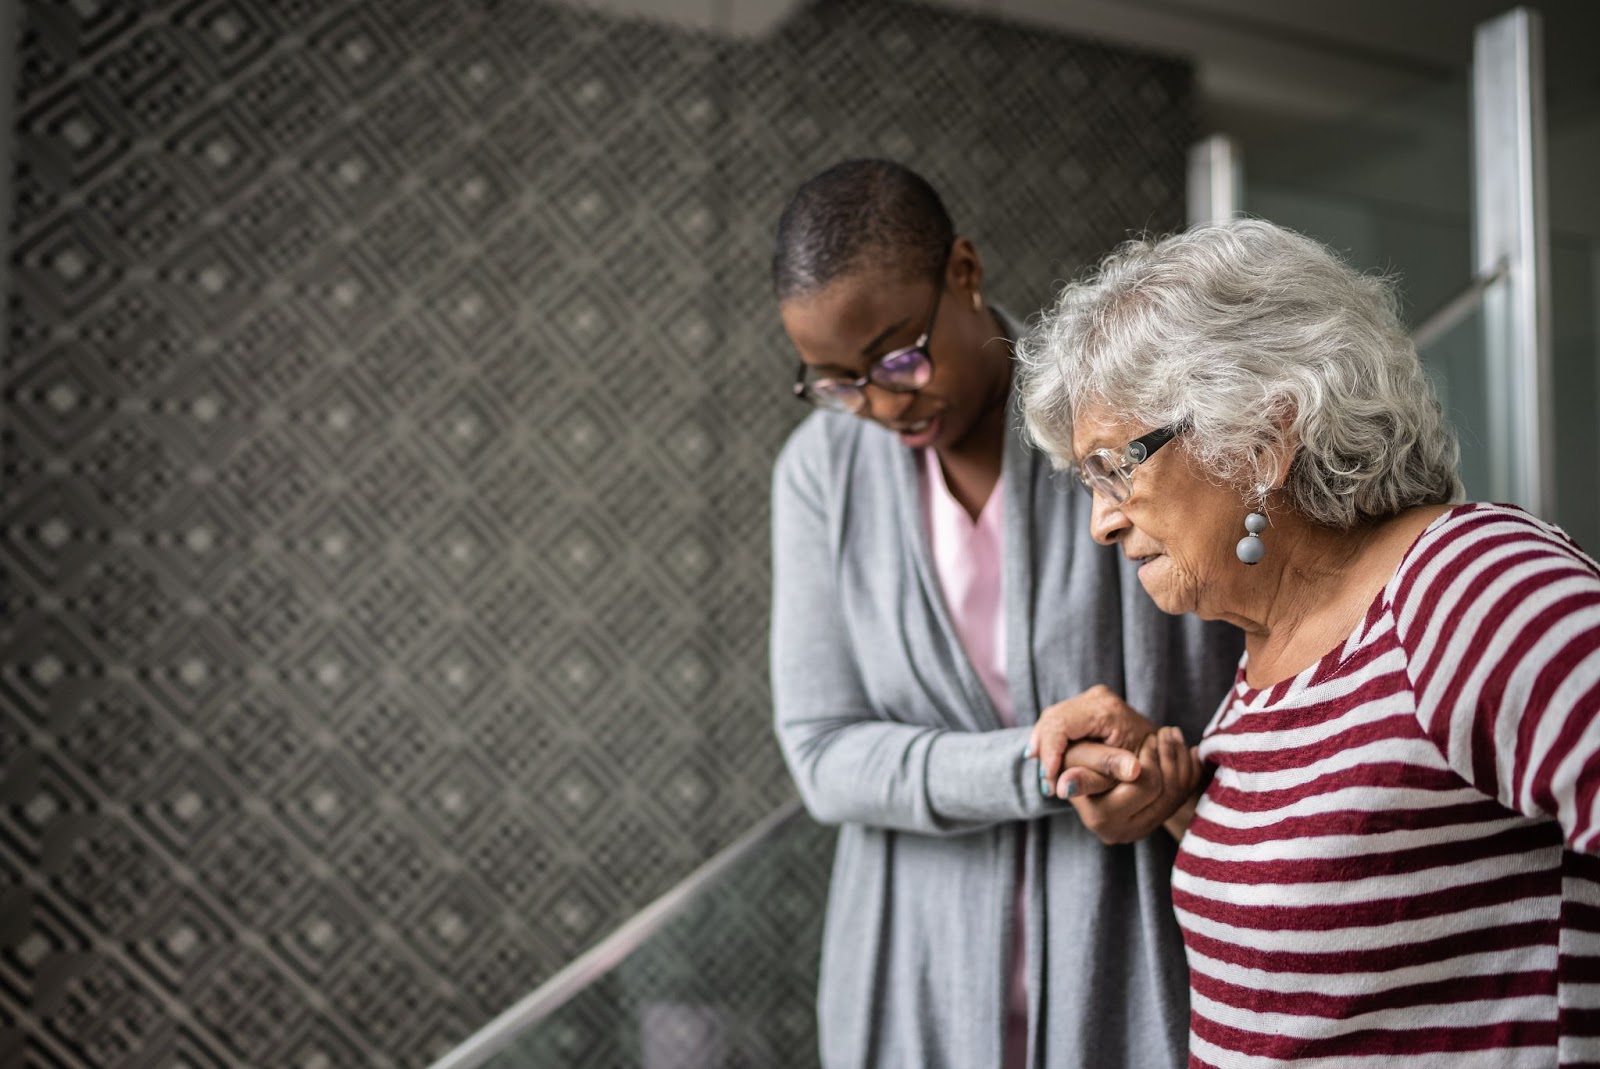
{"x": 852, "y": 762}
{"x": 1499, "y": 616}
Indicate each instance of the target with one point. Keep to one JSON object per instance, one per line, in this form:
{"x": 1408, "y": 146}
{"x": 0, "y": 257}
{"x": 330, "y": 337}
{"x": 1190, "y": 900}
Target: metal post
{"x": 1510, "y": 225}
{"x": 1216, "y": 180}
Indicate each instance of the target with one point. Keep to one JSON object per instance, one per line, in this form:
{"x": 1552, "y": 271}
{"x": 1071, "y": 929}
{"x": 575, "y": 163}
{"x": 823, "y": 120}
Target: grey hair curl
{"x": 1253, "y": 336}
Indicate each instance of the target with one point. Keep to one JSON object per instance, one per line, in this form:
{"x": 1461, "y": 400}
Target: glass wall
{"x": 1392, "y": 189}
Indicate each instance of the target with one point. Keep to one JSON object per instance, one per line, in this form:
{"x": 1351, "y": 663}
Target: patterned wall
{"x": 389, "y": 402}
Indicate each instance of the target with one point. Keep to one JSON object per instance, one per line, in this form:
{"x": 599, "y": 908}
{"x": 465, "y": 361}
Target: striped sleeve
{"x": 1499, "y": 615}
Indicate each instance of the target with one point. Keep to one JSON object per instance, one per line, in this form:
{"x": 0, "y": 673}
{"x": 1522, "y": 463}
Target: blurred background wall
{"x": 389, "y": 402}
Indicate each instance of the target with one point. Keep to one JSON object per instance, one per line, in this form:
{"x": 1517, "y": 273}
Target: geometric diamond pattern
{"x": 391, "y": 394}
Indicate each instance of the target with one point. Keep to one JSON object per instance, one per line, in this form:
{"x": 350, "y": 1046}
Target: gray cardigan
{"x": 889, "y": 733}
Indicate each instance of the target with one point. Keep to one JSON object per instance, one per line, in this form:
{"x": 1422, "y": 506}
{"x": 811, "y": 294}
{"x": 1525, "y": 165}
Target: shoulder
{"x": 820, "y": 455}
{"x": 815, "y": 441}
{"x": 1478, "y": 534}
{"x": 1480, "y": 563}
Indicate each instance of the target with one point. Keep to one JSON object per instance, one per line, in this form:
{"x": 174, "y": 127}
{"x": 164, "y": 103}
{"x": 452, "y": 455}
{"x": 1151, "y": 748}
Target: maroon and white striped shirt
{"x": 1395, "y": 862}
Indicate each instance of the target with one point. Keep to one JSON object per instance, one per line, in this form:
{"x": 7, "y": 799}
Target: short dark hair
{"x": 857, "y": 209}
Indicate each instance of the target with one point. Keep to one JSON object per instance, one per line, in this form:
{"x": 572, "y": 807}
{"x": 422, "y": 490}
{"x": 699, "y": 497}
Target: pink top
{"x": 966, "y": 557}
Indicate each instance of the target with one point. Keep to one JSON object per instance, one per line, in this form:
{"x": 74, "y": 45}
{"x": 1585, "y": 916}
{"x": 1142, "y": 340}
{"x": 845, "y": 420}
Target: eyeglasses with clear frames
{"x": 1111, "y": 474}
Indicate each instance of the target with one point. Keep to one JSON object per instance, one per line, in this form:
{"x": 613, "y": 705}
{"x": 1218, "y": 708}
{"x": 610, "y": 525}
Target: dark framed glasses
{"x": 904, "y": 370}
{"x": 1111, "y": 474}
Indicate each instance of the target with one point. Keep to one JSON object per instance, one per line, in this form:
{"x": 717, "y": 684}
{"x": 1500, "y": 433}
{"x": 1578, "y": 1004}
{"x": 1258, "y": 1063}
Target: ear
{"x": 1279, "y": 457}
{"x": 1283, "y": 460}
{"x": 964, "y": 273}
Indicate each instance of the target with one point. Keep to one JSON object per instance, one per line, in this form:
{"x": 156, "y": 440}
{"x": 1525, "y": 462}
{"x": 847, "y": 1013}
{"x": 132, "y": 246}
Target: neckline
{"x": 1329, "y": 663}
{"x": 941, "y": 497}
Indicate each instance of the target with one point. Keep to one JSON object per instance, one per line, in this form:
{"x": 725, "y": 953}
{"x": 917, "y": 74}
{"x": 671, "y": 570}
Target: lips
{"x": 917, "y": 435}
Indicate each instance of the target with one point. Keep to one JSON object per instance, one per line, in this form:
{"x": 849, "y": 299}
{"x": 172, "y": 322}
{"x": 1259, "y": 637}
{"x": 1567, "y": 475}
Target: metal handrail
{"x": 607, "y": 954}
{"x": 1457, "y": 308}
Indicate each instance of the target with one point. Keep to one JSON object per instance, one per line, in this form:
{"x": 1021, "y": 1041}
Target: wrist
{"x": 1177, "y": 824}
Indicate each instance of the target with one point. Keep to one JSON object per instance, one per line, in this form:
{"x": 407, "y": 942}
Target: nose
{"x": 885, "y": 406}
{"x": 1107, "y": 524}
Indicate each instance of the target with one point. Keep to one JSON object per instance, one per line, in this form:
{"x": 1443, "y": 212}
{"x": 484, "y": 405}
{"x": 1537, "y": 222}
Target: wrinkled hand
{"x": 1087, "y": 745}
{"x": 1168, "y": 776}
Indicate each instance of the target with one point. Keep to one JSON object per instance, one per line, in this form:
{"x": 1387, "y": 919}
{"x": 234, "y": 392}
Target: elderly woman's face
{"x": 1180, "y": 525}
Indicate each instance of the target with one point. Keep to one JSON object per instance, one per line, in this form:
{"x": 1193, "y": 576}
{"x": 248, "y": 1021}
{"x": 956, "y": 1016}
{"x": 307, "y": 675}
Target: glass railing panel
{"x": 1411, "y": 153}
{"x": 1572, "y": 110}
{"x": 729, "y": 983}
{"x": 1391, "y": 189}
{"x": 1455, "y": 362}
{"x": 1575, "y": 373}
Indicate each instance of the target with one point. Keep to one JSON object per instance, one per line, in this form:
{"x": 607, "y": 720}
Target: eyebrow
{"x": 869, "y": 351}
{"x": 882, "y": 336}
{"x": 1076, "y": 459}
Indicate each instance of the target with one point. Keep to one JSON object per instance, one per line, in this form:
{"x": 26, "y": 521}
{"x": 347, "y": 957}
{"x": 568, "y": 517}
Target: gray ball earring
{"x": 1250, "y": 548}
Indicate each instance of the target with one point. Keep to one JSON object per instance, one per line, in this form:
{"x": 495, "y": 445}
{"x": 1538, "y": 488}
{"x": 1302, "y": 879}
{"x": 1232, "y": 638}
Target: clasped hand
{"x": 1123, "y": 775}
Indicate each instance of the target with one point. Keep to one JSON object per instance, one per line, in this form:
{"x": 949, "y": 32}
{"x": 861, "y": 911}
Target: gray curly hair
{"x": 1252, "y": 336}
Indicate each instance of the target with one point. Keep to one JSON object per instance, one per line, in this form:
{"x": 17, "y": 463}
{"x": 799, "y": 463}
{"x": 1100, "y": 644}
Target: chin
{"x": 949, "y": 437}
{"x": 1164, "y": 602}
{"x": 1167, "y": 595}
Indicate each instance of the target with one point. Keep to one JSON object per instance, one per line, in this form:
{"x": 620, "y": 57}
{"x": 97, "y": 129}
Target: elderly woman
{"x": 1393, "y": 862}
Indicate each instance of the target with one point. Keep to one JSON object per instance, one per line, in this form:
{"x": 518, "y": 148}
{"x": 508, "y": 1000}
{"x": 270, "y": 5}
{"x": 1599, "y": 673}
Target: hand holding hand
{"x": 1087, "y": 745}
{"x": 1168, "y": 777}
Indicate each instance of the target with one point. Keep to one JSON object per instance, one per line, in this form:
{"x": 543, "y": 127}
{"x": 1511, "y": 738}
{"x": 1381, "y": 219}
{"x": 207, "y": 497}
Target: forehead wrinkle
{"x": 1107, "y": 431}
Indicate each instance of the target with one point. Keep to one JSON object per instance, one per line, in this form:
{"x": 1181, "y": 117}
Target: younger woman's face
{"x": 843, "y": 328}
